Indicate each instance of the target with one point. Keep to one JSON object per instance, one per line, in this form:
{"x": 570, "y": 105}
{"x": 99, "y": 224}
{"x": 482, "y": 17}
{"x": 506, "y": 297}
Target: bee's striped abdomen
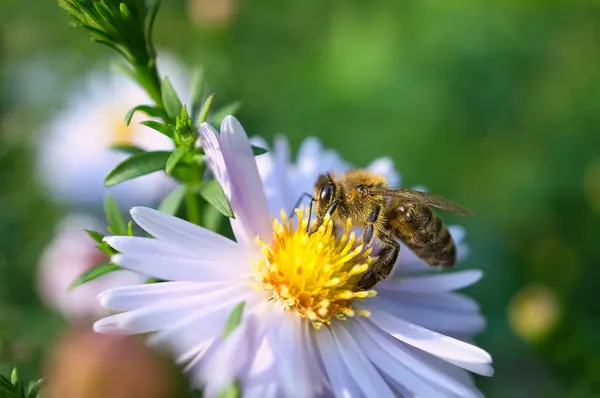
{"x": 423, "y": 231}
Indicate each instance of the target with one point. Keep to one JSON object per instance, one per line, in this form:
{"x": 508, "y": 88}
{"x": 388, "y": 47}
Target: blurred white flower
{"x": 304, "y": 332}
{"x": 74, "y": 154}
{"x": 67, "y": 256}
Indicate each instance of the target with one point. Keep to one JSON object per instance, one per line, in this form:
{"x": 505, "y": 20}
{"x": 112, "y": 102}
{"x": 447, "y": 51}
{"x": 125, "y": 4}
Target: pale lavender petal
{"x": 133, "y": 297}
{"x": 444, "y": 301}
{"x": 212, "y": 149}
{"x": 457, "y": 373}
{"x": 178, "y": 232}
{"x": 342, "y": 383}
{"x": 295, "y": 373}
{"x": 396, "y": 364}
{"x": 209, "y": 141}
{"x": 174, "y": 268}
{"x": 385, "y": 167}
{"x": 155, "y": 317}
{"x": 248, "y": 199}
{"x": 261, "y": 391}
{"x": 188, "y": 336}
{"x": 379, "y": 344}
{"x": 362, "y": 370}
{"x": 445, "y": 347}
{"x": 282, "y": 162}
{"x": 433, "y": 283}
{"x": 458, "y": 234}
{"x": 160, "y": 249}
{"x": 231, "y": 360}
{"x": 444, "y": 321}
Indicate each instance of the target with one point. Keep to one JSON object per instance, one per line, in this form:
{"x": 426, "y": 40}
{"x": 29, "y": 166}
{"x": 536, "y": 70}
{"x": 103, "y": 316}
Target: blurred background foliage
{"x": 493, "y": 104}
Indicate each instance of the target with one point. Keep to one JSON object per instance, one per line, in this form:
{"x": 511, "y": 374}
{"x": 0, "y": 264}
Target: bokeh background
{"x": 493, "y": 104}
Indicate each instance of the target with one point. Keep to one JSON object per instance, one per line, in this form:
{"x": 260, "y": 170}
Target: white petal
{"x": 133, "y": 297}
{"x": 385, "y": 167}
{"x": 459, "y": 374}
{"x": 231, "y": 359}
{"x": 379, "y": 344}
{"x": 392, "y": 367}
{"x": 178, "y": 232}
{"x": 445, "y": 347}
{"x": 181, "y": 269}
{"x": 212, "y": 149}
{"x": 342, "y": 382}
{"x": 444, "y": 321}
{"x": 160, "y": 249}
{"x": 190, "y": 335}
{"x": 433, "y": 283}
{"x": 248, "y": 198}
{"x": 444, "y": 301}
{"x": 157, "y": 316}
{"x": 458, "y": 234}
{"x": 295, "y": 373}
{"x": 362, "y": 370}
{"x": 282, "y": 172}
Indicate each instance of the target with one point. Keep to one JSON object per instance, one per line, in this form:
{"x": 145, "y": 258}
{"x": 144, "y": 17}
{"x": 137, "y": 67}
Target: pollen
{"x": 314, "y": 273}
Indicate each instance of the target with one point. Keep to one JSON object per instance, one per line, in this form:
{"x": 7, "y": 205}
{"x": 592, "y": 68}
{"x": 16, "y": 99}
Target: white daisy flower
{"x": 305, "y": 331}
{"x": 68, "y": 255}
{"x": 74, "y": 148}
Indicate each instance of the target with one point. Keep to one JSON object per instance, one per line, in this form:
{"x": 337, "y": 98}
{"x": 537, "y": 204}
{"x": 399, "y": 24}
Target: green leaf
{"x": 170, "y": 99}
{"x": 233, "y": 391}
{"x": 106, "y": 249}
{"x": 234, "y": 319}
{"x": 14, "y": 376}
{"x": 205, "y": 109}
{"x": 114, "y": 218}
{"x": 197, "y": 89}
{"x": 211, "y": 218}
{"x": 137, "y": 165}
{"x": 131, "y": 149}
{"x": 212, "y": 192}
{"x": 147, "y": 109}
{"x": 220, "y": 114}
{"x": 160, "y": 127}
{"x": 5, "y": 384}
{"x": 171, "y": 203}
{"x": 256, "y": 150}
{"x": 94, "y": 273}
{"x": 175, "y": 158}
{"x": 97, "y": 236}
{"x": 34, "y": 389}
{"x": 130, "y": 228}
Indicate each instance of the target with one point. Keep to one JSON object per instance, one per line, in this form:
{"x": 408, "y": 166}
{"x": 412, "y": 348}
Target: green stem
{"x": 192, "y": 206}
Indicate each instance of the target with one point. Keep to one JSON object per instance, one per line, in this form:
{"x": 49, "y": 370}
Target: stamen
{"x": 314, "y": 274}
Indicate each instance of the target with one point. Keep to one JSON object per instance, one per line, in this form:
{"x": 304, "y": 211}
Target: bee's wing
{"x": 425, "y": 198}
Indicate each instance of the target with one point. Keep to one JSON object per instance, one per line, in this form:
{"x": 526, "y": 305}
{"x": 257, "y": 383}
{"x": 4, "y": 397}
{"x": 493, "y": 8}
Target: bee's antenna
{"x": 304, "y": 195}
{"x": 312, "y": 200}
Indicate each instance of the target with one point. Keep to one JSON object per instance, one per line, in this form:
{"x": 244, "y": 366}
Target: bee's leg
{"x": 383, "y": 265}
{"x": 368, "y": 230}
{"x": 332, "y": 207}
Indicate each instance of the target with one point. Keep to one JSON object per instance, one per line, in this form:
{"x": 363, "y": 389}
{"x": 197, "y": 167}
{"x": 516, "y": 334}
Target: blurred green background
{"x": 493, "y": 104}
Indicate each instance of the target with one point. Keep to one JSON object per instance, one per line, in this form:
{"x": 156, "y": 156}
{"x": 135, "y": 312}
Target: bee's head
{"x": 325, "y": 192}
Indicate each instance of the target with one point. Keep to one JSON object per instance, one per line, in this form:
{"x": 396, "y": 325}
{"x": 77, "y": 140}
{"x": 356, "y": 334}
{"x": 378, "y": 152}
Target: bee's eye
{"x": 326, "y": 192}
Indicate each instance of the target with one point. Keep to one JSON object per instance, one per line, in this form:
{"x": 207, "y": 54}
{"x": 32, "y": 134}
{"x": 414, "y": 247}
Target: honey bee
{"x": 390, "y": 214}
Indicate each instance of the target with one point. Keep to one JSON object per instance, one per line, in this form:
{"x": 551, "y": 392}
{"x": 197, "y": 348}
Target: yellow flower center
{"x": 314, "y": 273}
